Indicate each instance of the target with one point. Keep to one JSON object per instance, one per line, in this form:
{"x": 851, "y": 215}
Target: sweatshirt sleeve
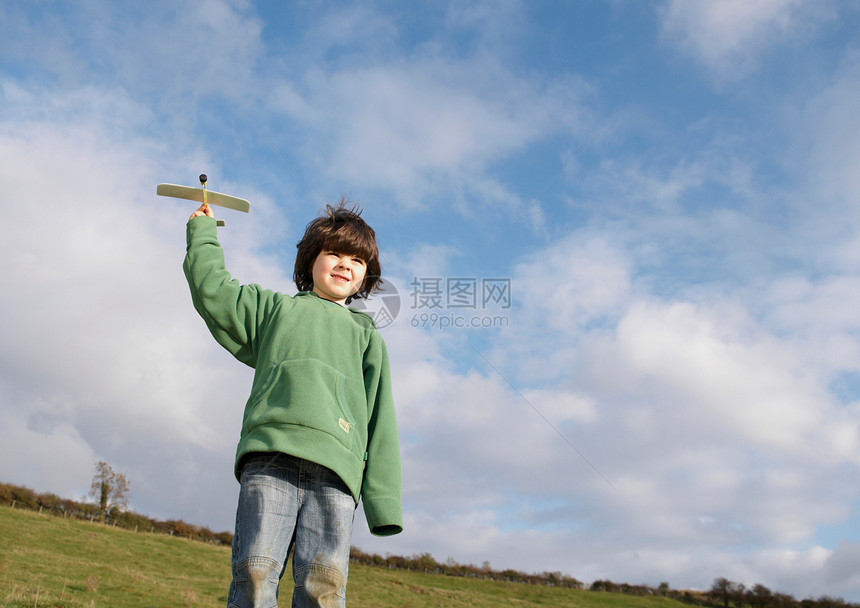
{"x": 380, "y": 491}
{"x": 232, "y": 312}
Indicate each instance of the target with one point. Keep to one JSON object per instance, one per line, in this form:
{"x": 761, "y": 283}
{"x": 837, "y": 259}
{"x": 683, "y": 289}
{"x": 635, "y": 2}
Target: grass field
{"x": 50, "y": 562}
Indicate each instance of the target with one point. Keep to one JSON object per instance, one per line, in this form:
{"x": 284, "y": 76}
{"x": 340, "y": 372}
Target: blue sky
{"x": 668, "y": 190}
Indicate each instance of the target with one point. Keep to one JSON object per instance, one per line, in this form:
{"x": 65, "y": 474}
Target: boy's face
{"x": 337, "y": 276}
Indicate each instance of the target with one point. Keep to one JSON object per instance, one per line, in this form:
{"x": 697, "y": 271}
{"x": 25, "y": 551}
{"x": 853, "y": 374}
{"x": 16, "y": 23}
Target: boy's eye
{"x": 352, "y": 258}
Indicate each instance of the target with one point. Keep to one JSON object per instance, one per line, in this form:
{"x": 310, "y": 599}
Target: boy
{"x": 318, "y": 430}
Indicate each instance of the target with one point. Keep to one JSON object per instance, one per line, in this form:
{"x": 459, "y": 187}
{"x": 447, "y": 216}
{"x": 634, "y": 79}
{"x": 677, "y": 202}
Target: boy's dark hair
{"x": 339, "y": 229}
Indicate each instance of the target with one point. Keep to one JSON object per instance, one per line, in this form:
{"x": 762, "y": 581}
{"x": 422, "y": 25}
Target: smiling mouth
{"x": 340, "y": 278}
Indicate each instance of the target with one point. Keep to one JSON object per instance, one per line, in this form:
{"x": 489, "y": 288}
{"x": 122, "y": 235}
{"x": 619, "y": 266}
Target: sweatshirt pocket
{"x": 303, "y": 392}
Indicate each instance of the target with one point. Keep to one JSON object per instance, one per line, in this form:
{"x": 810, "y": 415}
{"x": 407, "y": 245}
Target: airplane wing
{"x": 196, "y": 194}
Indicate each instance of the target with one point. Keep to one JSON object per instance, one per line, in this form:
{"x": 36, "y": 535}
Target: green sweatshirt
{"x": 321, "y": 390}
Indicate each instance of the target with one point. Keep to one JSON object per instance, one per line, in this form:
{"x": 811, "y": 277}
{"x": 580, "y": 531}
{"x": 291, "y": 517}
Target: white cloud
{"x": 828, "y": 143}
{"x": 356, "y": 30}
{"x": 709, "y": 411}
{"x": 574, "y": 281}
{"x": 730, "y": 36}
{"x": 823, "y": 312}
{"x": 414, "y": 125}
{"x": 743, "y": 381}
{"x": 106, "y": 358}
{"x": 180, "y": 51}
{"x": 715, "y": 432}
{"x": 40, "y": 453}
{"x": 580, "y": 282}
{"x": 805, "y": 572}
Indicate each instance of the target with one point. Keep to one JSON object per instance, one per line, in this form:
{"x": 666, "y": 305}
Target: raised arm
{"x": 235, "y": 314}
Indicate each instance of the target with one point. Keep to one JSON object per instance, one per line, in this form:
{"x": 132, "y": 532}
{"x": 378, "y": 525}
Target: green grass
{"x": 50, "y": 562}
{"x": 47, "y": 561}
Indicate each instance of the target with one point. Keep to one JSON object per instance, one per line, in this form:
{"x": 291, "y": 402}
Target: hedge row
{"x": 25, "y": 498}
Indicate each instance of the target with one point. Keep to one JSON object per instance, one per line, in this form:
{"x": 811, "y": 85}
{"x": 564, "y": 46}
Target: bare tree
{"x": 109, "y": 489}
{"x": 725, "y": 591}
{"x": 739, "y": 594}
{"x": 759, "y": 596}
{"x": 721, "y": 591}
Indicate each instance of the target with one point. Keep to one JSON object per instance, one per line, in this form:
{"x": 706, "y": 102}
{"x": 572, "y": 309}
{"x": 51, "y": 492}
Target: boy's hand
{"x": 203, "y": 210}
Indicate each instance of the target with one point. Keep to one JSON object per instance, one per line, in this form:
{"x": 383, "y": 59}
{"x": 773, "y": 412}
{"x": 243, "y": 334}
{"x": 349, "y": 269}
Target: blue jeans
{"x": 286, "y": 505}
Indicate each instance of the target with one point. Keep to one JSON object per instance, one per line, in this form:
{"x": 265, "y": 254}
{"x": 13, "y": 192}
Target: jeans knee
{"x": 318, "y": 585}
{"x": 255, "y": 583}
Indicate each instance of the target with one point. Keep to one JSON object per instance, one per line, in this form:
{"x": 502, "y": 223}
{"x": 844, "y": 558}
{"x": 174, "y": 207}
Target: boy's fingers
{"x": 203, "y": 210}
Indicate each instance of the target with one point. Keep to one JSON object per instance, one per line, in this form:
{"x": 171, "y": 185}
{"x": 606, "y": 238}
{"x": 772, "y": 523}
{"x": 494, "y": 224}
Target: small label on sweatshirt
{"x": 344, "y": 425}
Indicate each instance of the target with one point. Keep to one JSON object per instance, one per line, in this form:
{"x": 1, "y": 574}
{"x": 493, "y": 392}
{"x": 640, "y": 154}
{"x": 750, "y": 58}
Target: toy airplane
{"x": 202, "y": 195}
